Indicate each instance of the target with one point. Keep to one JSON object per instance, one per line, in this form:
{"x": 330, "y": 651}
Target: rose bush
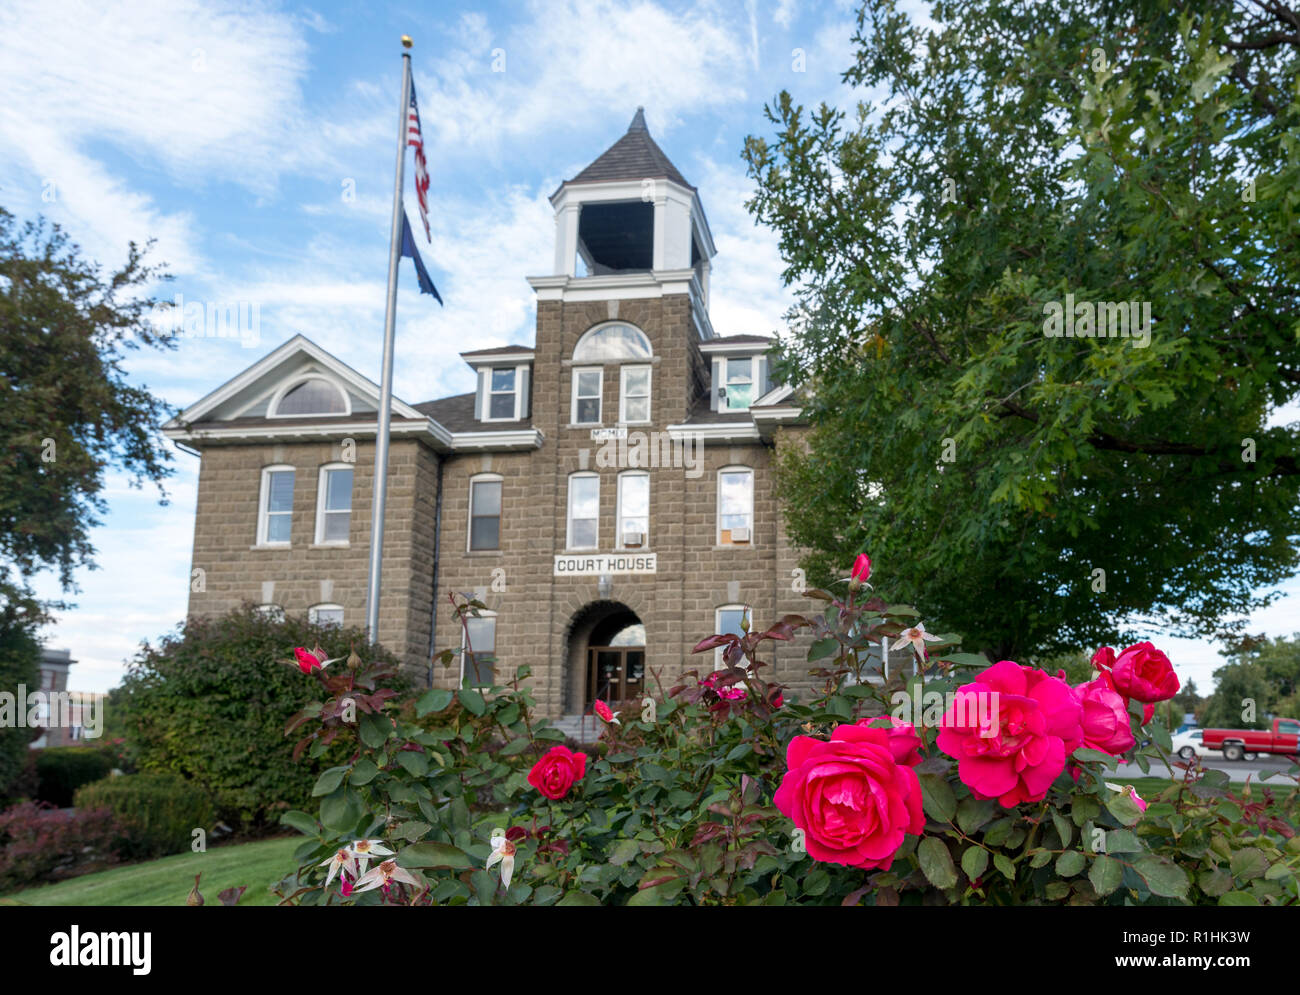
{"x": 925, "y": 776}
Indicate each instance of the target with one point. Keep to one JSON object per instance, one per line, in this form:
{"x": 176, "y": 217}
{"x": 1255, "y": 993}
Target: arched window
{"x": 611, "y": 343}
{"x": 313, "y": 396}
{"x": 326, "y": 615}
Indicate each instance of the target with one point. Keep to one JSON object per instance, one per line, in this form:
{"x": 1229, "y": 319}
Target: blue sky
{"x": 255, "y": 143}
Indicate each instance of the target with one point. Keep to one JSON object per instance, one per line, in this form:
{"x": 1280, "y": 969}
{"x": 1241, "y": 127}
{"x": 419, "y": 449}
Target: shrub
{"x": 157, "y": 813}
{"x": 716, "y": 791}
{"x": 62, "y": 770}
{"x": 207, "y": 703}
{"x": 38, "y": 843}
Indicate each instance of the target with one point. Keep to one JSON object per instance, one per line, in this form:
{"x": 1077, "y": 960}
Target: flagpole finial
{"x": 406, "y": 41}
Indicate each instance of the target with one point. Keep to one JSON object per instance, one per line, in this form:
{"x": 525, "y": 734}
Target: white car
{"x": 1189, "y": 744}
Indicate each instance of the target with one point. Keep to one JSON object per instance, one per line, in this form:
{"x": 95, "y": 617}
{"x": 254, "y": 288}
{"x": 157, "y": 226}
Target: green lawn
{"x": 167, "y": 881}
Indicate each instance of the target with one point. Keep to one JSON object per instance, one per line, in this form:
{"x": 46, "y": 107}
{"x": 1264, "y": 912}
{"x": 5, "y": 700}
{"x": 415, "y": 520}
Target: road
{"x": 1237, "y": 770}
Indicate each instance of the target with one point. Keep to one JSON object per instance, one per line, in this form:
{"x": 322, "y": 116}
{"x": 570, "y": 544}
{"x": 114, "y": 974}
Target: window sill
{"x": 484, "y": 552}
{"x": 271, "y": 545}
{"x": 734, "y": 545}
{"x": 587, "y": 425}
{"x": 329, "y": 545}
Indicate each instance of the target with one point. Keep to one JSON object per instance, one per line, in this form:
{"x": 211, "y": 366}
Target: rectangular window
{"x": 728, "y": 623}
{"x": 740, "y": 382}
{"x": 586, "y": 396}
{"x": 735, "y": 507}
{"x": 485, "y": 514}
{"x": 334, "y": 512}
{"x": 277, "y": 507}
{"x": 634, "y": 510}
{"x": 634, "y": 394}
{"x": 478, "y": 665}
{"x": 501, "y": 395}
{"x": 584, "y": 512}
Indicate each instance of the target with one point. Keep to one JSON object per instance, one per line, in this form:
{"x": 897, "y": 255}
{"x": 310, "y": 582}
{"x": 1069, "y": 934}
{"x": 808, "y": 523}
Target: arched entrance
{"x": 606, "y": 655}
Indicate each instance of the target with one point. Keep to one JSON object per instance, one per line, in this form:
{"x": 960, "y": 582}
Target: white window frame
{"x": 272, "y": 409}
{"x": 313, "y": 613}
{"x": 618, "y": 510}
{"x": 320, "y": 504}
{"x": 489, "y": 393}
{"x": 464, "y": 648}
{"x": 717, "y": 627}
{"x": 753, "y": 381}
{"x": 622, "y": 393}
{"x": 483, "y": 478}
{"x": 718, "y": 509}
{"x": 600, "y": 396}
{"x": 595, "y": 330}
{"x": 272, "y": 611}
{"x": 568, "y": 516}
{"x": 263, "y": 500}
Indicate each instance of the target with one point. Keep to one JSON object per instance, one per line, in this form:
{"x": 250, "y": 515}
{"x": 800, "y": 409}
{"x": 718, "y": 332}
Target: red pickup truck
{"x": 1235, "y": 743}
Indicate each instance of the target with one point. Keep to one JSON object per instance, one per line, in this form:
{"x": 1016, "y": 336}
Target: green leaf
{"x": 413, "y": 762}
{"x": 1003, "y": 863}
{"x": 1214, "y": 881}
{"x": 973, "y": 814}
{"x": 1124, "y": 809}
{"x": 472, "y": 700}
{"x": 1064, "y": 828}
{"x": 1095, "y": 756}
{"x": 341, "y": 810}
{"x": 363, "y": 772}
{"x": 432, "y": 701}
{"x": 328, "y": 781}
{"x": 936, "y": 862}
{"x": 1238, "y": 898}
{"x": 937, "y": 797}
{"x": 578, "y": 898}
{"x": 1163, "y": 876}
{"x": 1105, "y": 874}
{"x": 624, "y": 851}
{"x": 1248, "y": 864}
{"x": 1122, "y": 841}
{"x": 1070, "y": 863}
{"x": 974, "y": 861}
{"x": 300, "y": 821}
{"x": 514, "y": 747}
{"x": 431, "y": 854}
{"x": 823, "y": 648}
{"x": 374, "y": 730}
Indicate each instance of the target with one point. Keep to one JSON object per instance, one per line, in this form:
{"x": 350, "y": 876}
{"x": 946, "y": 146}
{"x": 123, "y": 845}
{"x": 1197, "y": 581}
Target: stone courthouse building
{"x": 607, "y": 491}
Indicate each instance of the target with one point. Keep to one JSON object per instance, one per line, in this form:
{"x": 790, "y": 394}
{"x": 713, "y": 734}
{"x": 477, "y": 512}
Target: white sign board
{"x": 605, "y": 434}
{"x": 595, "y": 564}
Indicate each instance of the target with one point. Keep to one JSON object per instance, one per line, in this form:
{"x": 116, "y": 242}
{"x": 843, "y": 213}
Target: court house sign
{"x": 594, "y": 564}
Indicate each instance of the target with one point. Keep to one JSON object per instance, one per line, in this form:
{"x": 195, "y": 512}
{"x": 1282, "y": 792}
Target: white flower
{"x": 363, "y": 850}
{"x": 504, "y": 851}
{"x": 385, "y": 874}
{"x": 343, "y": 860}
{"x": 918, "y": 637}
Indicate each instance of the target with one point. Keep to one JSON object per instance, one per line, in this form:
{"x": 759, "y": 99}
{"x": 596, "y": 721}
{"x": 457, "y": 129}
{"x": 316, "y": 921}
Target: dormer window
{"x": 313, "y": 396}
{"x": 501, "y": 398}
{"x": 740, "y": 382}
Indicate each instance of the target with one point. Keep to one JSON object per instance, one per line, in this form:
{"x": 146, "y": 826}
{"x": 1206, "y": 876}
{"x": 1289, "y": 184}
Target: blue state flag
{"x": 422, "y": 274}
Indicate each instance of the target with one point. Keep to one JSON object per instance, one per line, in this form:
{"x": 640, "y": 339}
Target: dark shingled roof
{"x": 456, "y": 414}
{"x": 635, "y": 156}
{"x": 702, "y": 415}
{"x": 500, "y": 350}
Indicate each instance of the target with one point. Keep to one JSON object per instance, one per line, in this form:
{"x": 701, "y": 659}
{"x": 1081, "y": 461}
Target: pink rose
{"x": 1144, "y": 673}
{"x": 861, "y": 568}
{"x": 307, "y": 662}
{"x": 853, "y": 800}
{"x": 604, "y": 711}
{"x": 1105, "y": 718}
{"x": 904, "y": 743}
{"x": 1011, "y": 738}
{"x": 555, "y": 773}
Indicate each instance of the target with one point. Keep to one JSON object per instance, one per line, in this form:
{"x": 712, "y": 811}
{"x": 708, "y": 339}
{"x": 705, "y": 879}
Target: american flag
{"x": 415, "y": 139}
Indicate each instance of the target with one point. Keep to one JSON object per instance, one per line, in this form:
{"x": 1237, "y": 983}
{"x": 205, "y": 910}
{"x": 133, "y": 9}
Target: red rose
{"x": 1144, "y": 673}
{"x": 307, "y": 662}
{"x": 904, "y": 743}
{"x": 1105, "y": 718}
{"x": 553, "y": 775}
{"x": 861, "y": 568}
{"x": 853, "y": 800}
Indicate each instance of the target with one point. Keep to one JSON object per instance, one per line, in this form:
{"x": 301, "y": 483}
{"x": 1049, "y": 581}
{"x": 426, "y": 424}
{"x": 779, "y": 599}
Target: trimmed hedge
{"x": 209, "y": 702}
{"x": 38, "y": 844}
{"x": 158, "y": 813}
{"x": 61, "y": 770}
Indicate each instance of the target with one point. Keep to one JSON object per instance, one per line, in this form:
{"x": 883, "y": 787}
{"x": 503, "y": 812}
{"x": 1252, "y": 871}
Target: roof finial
{"x": 638, "y": 121}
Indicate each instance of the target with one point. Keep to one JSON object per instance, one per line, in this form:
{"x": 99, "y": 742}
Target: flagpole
{"x": 386, "y": 383}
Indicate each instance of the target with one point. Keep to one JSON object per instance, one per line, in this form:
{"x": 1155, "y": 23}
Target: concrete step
{"x": 582, "y": 728}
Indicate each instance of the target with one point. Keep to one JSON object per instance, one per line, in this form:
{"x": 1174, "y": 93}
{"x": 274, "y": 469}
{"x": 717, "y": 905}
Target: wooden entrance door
{"x": 615, "y": 673}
